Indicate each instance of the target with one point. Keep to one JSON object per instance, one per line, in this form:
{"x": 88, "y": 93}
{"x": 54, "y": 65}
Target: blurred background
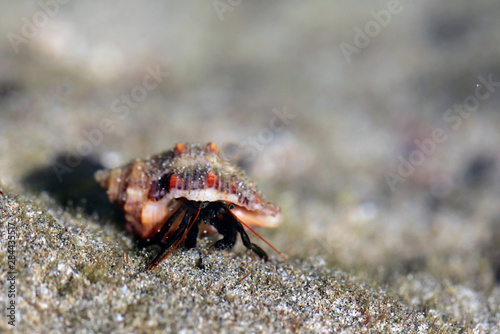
{"x": 374, "y": 125}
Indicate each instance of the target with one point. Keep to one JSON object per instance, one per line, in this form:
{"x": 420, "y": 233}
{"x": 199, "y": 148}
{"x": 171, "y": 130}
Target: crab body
{"x": 190, "y": 188}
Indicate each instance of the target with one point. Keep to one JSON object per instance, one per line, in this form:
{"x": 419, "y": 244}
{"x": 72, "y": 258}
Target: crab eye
{"x": 230, "y": 206}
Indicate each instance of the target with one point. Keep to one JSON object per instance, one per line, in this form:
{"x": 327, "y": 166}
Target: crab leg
{"x": 228, "y": 232}
{"x": 177, "y": 238}
{"x": 246, "y": 240}
{"x": 192, "y": 236}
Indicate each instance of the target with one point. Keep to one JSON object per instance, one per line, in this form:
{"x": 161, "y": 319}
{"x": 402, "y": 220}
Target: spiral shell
{"x": 150, "y": 190}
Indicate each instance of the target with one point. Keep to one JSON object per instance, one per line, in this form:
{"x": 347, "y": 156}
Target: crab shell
{"x": 150, "y": 190}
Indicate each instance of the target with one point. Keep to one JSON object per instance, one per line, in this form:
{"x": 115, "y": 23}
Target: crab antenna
{"x": 261, "y": 238}
{"x": 157, "y": 263}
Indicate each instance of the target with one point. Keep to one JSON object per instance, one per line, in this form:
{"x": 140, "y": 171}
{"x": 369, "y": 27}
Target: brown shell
{"x": 149, "y": 190}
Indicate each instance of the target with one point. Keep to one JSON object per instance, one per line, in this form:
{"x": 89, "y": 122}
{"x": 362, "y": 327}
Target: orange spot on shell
{"x": 257, "y": 199}
{"x": 173, "y": 181}
{"x": 179, "y": 148}
{"x": 211, "y": 179}
{"x": 233, "y": 186}
{"x": 211, "y": 147}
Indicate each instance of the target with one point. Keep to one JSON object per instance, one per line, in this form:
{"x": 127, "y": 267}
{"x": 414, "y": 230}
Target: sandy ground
{"x": 375, "y": 128}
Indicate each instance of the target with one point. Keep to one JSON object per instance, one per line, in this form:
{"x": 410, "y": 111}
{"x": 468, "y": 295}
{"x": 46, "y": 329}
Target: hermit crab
{"x": 189, "y": 190}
